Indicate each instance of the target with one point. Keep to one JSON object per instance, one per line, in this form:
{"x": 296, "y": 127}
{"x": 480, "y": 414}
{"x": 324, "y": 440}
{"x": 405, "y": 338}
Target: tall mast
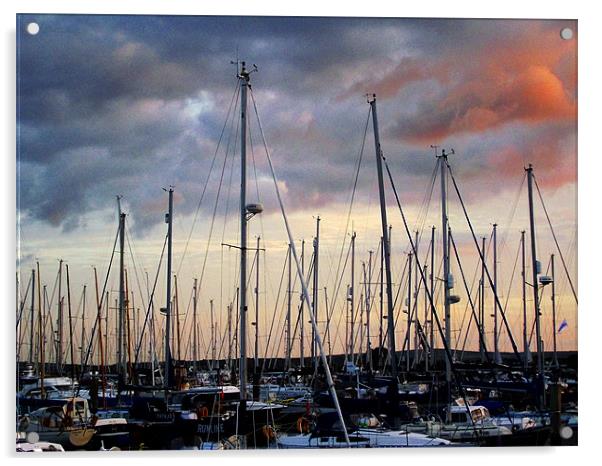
{"x": 106, "y": 347}
{"x": 41, "y": 330}
{"x": 426, "y": 318}
{"x": 59, "y": 325}
{"x": 432, "y": 286}
{"x": 195, "y": 343}
{"x": 315, "y": 298}
{"x": 256, "y": 365}
{"x": 32, "y": 314}
{"x": 177, "y": 315}
{"x": 416, "y": 300}
{"x": 244, "y": 85}
{"x": 526, "y": 353}
{"x": 555, "y": 360}
{"x": 288, "y": 312}
{"x": 482, "y": 300}
{"x": 381, "y": 297}
{"x": 409, "y": 318}
{"x": 301, "y": 319}
{"x": 386, "y": 242}
{"x": 327, "y": 335}
{"x": 213, "y": 346}
{"x": 83, "y": 326}
{"x": 122, "y": 298}
{"x": 230, "y": 335}
{"x": 70, "y": 323}
{"x": 368, "y": 305}
{"x": 534, "y": 267}
{"x": 352, "y": 293}
{"x": 446, "y": 271}
{"x": 496, "y": 342}
{"x": 167, "y": 347}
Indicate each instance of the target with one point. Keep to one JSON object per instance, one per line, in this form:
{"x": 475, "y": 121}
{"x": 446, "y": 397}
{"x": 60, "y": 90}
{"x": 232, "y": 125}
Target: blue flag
{"x": 563, "y": 325}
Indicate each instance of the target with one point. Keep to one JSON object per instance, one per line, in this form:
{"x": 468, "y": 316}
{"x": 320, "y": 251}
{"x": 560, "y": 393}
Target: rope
{"x": 495, "y": 294}
{"x": 300, "y": 272}
{"x": 198, "y": 208}
{"x": 556, "y": 242}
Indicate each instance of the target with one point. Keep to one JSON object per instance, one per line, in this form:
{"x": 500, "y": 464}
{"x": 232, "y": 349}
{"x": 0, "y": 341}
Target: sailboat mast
{"x": 167, "y": 348}
{"x": 122, "y": 298}
{"x": 59, "y": 324}
{"x": 381, "y": 297}
{"x": 496, "y": 342}
{"x": 446, "y": 271}
{"x": 416, "y": 299}
{"x": 244, "y": 84}
{"x": 83, "y": 342}
{"x": 32, "y": 317}
{"x": 195, "y": 355}
{"x": 432, "y": 286}
{"x": 288, "y": 312}
{"x": 230, "y": 335}
{"x": 368, "y": 305}
{"x": 526, "y": 355}
{"x": 555, "y": 360}
{"x": 386, "y": 242}
{"x": 41, "y": 330}
{"x": 352, "y": 293}
{"x": 301, "y": 318}
{"x": 315, "y": 297}
{"x": 482, "y": 300}
{"x": 256, "y": 365}
{"x": 213, "y": 345}
{"x": 70, "y": 323}
{"x": 534, "y": 266}
{"x": 409, "y": 317}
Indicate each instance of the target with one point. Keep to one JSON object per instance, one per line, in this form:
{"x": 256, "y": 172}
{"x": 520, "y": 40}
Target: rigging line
{"x": 213, "y": 220}
{"x": 226, "y": 211}
{"x": 99, "y": 308}
{"x": 426, "y": 203}
{"x": 510, "y": 218}
{"x": 331, "y": 386}
{"x": 275, "y": 309}
{"x": 150, "y": 302}
{"x": 328, "y": 320}
{"x": 511, "y": 281}
{"x": 266, "y": 276}
{"x": 187, "y": 345}
{"x": 23, "y": 301}
{"x": 135, "y": 266}
{"x": 556, "y": 242}
{"x": 468, "y": 292}
{"x": 234, "y": 97}
{"x": 472, "y": 284}
{"x": 352, "y": 199}
{"x": 495, "y": 294}
{"x": 435, "y": 315}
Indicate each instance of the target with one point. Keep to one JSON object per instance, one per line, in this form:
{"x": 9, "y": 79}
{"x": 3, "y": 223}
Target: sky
{"x": 128, "y": 105}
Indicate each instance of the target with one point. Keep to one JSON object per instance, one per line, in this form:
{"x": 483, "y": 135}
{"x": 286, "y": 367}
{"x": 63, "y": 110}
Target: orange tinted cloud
{"x": 553, "y": 159}
{"x": 529, "y": 76}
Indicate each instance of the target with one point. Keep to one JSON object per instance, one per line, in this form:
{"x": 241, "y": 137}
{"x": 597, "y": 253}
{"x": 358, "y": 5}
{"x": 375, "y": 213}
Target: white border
{"x": 589, "y": 171}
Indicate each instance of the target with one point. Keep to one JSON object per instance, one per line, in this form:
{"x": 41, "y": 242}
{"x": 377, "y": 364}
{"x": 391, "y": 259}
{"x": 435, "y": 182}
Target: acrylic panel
{"x": 295, "y": 232}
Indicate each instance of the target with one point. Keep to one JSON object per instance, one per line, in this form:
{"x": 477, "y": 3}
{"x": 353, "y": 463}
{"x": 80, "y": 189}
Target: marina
{"x": 409, "y": 325}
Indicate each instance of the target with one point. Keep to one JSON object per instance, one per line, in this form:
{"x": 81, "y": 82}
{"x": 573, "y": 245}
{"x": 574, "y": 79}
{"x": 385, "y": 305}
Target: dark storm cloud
{"x": 127, "y": 104}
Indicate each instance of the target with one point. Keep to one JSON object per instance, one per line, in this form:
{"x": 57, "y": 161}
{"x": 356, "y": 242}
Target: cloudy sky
{"x": 127, "y": 105}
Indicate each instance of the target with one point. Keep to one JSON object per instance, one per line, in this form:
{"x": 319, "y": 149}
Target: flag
{"x": 563, "y": 325}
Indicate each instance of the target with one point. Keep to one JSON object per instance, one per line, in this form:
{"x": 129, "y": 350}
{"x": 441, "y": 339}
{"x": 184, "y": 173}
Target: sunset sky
{"x": 127, "y": 105}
